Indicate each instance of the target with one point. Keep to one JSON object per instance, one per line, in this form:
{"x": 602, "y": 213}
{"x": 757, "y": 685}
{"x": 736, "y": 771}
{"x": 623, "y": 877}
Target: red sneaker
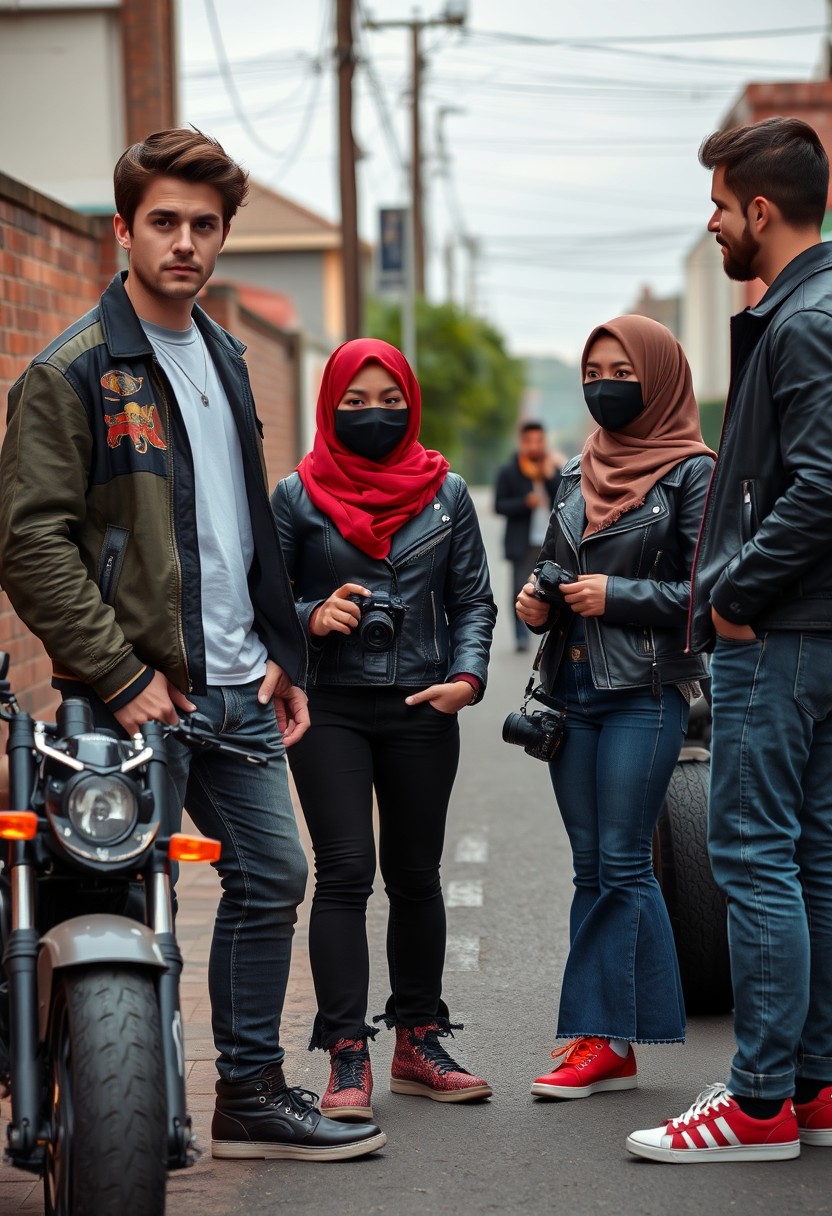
{"x": 814, "y": 1119}
{"x": 588, "y": 1066}
{"x": 422, "y": 1066}
{"x": 715, "y": 1129}
{"x": 350, "y": 1082}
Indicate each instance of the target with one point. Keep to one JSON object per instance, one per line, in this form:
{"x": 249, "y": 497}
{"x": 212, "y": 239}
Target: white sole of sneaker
{"x": 262, "y": 1150}
{"x": 689, "y": 1156}
{"x": 585, "y": 1091}
{"x": 346, "y": 1113}
{"x": 822, "y": 1138}
{"x": 417, "y": 1090}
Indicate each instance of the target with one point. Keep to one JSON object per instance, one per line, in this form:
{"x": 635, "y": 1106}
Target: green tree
{"x": 471, "y": 386}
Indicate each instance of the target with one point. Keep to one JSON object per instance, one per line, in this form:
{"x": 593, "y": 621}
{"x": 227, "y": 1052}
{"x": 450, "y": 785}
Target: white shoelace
{"x": 713, "y": 1096}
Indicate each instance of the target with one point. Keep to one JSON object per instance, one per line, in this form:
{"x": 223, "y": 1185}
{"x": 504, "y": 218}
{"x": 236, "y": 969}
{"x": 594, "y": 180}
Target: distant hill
{"x": 553, "y": 394}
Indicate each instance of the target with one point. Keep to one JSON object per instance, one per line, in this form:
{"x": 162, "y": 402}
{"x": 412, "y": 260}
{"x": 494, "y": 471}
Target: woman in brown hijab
{"x": 624, "y": 525}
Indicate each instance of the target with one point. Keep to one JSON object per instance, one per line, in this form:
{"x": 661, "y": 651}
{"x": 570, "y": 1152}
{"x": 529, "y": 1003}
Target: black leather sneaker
{"x": 267, "y": 1118}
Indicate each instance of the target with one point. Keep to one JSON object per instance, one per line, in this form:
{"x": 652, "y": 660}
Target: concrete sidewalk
{"x": 210, "y": 1186}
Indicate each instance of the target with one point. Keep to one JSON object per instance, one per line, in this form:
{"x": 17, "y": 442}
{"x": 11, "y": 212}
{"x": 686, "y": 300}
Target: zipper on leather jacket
{"x": 435, "y": 638}
{"x": 436, "y": 539}
{"x": 747, "y": 511}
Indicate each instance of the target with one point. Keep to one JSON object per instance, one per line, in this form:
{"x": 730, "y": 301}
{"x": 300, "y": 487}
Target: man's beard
{"x": 739, "y": 257}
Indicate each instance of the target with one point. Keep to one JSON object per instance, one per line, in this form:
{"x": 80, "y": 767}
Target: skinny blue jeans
{"x": 610, "y": 778}
{"x": 263, "y": 873}
{"x": 771, "y": 852}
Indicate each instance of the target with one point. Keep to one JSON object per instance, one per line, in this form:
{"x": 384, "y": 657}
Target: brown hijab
{"x": 618, "y": 468}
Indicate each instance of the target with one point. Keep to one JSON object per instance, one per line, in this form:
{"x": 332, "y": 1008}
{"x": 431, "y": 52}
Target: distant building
{"x": 710, "y": 298}
{"x": 667, "y": 310}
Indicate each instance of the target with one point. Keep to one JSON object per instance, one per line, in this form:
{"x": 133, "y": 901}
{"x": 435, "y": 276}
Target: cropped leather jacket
{"x": 647, "y": 554}
{"x": 436, "y": 565}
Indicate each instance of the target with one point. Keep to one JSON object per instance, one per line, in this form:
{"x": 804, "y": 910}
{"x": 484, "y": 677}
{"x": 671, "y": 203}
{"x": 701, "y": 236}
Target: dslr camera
{"x": 381, "y": 618}
{"x": 550, "y": 577}
{"x": 539, "y": 733}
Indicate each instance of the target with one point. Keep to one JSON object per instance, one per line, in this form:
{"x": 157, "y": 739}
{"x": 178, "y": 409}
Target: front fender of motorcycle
{"x": 85, "y": 940}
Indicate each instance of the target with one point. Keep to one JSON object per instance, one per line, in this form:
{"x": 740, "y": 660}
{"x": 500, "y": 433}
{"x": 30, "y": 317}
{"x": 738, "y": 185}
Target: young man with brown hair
{"x": 762, "y": 601}
{"x": 137, "y": 542}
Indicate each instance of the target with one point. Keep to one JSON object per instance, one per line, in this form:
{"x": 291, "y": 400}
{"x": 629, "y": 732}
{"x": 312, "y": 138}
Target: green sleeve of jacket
{"x": 44, "y": 469}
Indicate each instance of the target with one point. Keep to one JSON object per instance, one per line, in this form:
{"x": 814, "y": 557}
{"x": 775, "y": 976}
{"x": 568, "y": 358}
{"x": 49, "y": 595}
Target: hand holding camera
{"x": 338, "y": 614}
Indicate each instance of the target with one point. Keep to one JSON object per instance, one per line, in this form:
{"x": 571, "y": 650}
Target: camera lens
{"x": 376, "y": 630}
{"x": 517, "y": 728}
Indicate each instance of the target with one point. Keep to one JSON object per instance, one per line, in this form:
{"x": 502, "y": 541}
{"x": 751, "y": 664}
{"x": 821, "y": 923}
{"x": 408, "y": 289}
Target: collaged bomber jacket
{"x": 436, "y": 564}
{"x": 98, "y": 537}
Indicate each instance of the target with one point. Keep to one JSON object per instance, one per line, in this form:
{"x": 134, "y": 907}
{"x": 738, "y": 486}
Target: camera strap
{"x": 534, "y": 691}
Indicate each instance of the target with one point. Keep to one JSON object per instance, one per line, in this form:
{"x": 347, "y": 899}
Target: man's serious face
{"x": 729, "y": 223}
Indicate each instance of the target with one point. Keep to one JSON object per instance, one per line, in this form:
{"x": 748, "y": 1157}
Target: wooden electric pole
{"x": 346, "y": 152}
{"x": 416, "y": 199}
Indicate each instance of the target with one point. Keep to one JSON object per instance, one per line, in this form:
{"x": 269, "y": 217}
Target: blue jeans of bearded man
{"x": 610, "y": 778}
{"x": 771, "y": 852}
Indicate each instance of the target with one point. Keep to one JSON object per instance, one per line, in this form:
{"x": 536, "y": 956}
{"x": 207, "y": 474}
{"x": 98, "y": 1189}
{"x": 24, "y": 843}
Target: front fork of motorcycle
{"x": 181, "y": 1143}
{"x": 26, "y": 1131}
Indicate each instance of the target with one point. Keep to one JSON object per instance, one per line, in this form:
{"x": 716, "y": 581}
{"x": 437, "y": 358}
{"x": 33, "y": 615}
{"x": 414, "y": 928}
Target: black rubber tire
{"x": 106, "y": 1156}
{"x": 696, "y": 905}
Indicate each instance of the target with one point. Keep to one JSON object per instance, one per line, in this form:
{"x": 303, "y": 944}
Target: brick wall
{"x": 272, "y": 357}
{"x": 53, "y": 265}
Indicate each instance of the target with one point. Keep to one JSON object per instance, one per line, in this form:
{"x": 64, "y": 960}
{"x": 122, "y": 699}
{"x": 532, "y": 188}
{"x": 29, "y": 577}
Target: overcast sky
{"x": 572, "y": 165}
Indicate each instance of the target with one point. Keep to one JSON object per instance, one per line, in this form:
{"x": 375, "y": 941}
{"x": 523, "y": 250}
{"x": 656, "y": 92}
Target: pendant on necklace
{"x": 204, "y": 400}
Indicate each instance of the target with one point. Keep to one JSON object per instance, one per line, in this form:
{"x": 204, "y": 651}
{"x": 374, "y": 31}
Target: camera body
{"x": 550, "y": 577}
{"x": 539, "y": 733}
{"x": 381, "y": 619}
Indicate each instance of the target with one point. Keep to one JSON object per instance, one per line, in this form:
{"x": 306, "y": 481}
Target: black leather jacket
{"x": 437, "y": 565}
{"x": 647, "y": 555}
{"x": 765, "y": 552}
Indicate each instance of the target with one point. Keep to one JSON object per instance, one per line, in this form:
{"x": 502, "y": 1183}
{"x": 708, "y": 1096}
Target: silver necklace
{"x": 203, "y": 392}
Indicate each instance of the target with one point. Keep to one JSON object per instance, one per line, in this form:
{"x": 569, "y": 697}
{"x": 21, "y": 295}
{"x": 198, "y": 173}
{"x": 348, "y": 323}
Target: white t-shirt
{"x": 234, "y": 653}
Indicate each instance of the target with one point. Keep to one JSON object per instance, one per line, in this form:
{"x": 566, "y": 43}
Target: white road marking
{"x": 462, "y": 954}
{"x": 473, "y": 847}
{"x": 464, "y": 893}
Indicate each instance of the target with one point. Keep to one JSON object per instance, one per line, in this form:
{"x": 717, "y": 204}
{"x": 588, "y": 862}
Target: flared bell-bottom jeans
{"x": 610, "y": 778}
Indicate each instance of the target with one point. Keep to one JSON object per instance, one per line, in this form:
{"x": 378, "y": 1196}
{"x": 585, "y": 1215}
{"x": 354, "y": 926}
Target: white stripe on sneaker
{"x": 727, "y": 1131}
{"x": 708, "y": 1137}
{"x": 689, "y": 1141}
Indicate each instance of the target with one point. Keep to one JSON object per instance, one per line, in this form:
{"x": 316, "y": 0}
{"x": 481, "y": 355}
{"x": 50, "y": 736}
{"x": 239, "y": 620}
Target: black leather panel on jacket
{"x": 437, "y": 565}
{"x": 765, "y": 554}
{"x": 647, "y": 555}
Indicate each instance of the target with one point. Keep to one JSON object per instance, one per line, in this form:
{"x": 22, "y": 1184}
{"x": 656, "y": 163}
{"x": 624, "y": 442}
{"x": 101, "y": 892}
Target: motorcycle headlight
{"x": 102, "y": 809}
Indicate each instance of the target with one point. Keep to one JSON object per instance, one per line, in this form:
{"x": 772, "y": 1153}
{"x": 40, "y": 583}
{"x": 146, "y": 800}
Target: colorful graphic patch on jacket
{"x": 139, "y": 423}
{"x": 121, "y": 384}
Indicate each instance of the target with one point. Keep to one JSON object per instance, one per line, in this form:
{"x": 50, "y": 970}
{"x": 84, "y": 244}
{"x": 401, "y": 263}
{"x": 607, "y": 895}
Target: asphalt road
{"x": 507, "y": 878}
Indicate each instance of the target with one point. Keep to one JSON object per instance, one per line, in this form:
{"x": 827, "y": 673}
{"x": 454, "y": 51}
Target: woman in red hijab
{"x": 624, "y": 525}
{"x": 391, "y": 582}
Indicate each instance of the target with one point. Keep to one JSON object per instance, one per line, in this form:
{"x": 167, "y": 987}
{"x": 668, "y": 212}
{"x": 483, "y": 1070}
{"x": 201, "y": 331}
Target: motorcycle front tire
{"x": 107, "y": 1147}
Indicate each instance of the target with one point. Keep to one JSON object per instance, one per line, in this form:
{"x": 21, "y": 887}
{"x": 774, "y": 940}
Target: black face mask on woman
{"x": 613, "y": 403}
{"x": 371, "y": 433}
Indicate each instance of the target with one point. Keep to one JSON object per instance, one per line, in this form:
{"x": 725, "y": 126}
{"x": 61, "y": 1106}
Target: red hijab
{"x": 369, "y": 500}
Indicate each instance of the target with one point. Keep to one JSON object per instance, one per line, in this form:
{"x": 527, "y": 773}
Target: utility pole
{"x": 454, "y": 14}
{"x": 346, "y": 154}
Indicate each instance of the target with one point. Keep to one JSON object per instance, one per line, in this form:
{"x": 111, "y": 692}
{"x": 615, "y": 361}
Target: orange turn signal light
{"x": 193, "y": 848}
{"x": 18, "y": 825}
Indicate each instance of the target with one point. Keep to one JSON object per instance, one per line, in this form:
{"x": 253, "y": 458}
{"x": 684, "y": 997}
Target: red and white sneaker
{"x": 814, "y": 1119}
{"x": 350, "y": 1085}
{"x": 715, "y": 1129}
{"x": 588, "y": 1066}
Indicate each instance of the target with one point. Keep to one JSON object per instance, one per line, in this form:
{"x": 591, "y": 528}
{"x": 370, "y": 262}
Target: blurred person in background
{"x": 525, "y": 490}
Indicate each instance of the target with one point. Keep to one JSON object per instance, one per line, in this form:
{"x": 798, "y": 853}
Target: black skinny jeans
{"x": 363, "y": 738}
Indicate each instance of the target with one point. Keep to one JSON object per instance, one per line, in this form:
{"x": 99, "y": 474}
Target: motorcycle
{"x": 91, "y": 1041}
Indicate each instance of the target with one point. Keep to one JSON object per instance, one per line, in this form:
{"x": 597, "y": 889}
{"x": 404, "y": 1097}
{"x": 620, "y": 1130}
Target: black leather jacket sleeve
{"x": 470, "y": 606}
{"x": 282, "y": 510}
{"x": 665, "y": 601}
{"x": 786, "y": 542}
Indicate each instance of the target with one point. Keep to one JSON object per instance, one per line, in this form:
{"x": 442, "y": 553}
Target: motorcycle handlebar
{"x": 196, "y": 731}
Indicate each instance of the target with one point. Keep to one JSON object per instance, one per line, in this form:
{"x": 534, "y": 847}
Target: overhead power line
{"x": 636, "y": 39}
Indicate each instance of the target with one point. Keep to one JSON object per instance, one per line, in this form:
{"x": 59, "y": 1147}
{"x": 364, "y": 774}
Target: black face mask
{"x": 372, "y": 433}
{"x": 613, "y": 403}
